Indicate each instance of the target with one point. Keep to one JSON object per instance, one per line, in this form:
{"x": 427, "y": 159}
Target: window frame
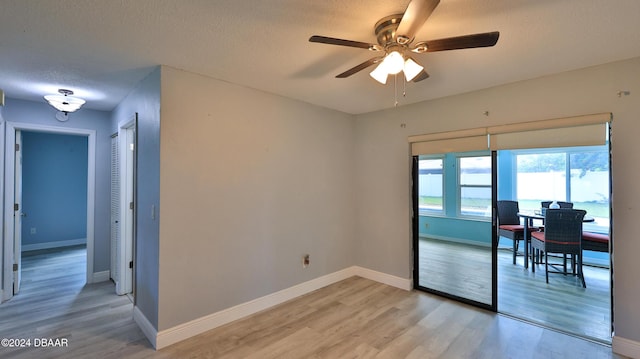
{"x": 460, "y": 186}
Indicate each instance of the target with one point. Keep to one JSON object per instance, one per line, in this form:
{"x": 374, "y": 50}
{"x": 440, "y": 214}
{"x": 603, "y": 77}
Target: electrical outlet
{"x": 33, "y": 230}
{"x": 305, "y": 261}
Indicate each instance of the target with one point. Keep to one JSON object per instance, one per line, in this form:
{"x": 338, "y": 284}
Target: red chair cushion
{"x": 595, "y": 237}
{"x": 512, "y": 227}
{"x": 516, "y": 227}
{"x": 540, "y": 236}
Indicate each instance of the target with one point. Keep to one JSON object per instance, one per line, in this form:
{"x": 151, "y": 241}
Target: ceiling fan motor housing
{"x": 385, "y": 30}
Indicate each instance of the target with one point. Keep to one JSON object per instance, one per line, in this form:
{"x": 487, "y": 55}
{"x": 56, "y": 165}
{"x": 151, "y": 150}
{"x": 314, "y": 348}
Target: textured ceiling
{"x": 102, "y": 49}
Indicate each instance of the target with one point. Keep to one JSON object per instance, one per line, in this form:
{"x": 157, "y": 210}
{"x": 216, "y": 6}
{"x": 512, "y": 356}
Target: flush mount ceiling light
{"x": 64, "y": 103}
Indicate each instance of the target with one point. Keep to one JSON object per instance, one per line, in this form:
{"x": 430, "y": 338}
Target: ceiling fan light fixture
{"x": 379, "y": 74}
{"x": 411, "y": 69}
{"x": 393, "y": 63}
{"x": 64, "y": 102}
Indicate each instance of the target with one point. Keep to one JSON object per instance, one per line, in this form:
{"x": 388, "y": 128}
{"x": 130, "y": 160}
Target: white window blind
{"x": 587, "y": 130}
{"x": 474, "y": 139}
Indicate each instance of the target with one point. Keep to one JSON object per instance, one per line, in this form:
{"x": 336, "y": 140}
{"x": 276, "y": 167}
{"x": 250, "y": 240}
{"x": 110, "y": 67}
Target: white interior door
{"x": 115, "y": 212}
{"x": 17, "y": 215}
{"x": 127, "y": 210}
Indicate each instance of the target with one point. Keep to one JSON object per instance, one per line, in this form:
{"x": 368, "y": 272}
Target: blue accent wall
{"x": 456, "y": 229}
{"x": 54, "y": 187}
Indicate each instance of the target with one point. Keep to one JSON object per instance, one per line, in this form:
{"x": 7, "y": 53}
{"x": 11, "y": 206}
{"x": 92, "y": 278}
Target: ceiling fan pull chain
{"x": 404, "y": 87}
{"x": 395, "y": 89}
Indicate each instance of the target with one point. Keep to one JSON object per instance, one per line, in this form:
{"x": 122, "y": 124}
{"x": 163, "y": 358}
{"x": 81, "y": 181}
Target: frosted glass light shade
{"x": 411, "y": 69}
{"x": 379, "y": 74}
{"x": 393, "y": 63}
{"x": 64, "y": 103}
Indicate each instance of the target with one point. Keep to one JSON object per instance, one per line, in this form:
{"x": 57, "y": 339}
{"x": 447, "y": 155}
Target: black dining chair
{"x": 562, "y": 234}
{"x": 509, "y": 224}
{"x": 545, "y": 204}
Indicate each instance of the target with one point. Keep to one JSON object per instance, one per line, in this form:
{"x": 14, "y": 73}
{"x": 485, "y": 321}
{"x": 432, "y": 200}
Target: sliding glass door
{"x": 454, "y": 254}
{"x": 456, "y": 185}
{"x": 578, "y": 175}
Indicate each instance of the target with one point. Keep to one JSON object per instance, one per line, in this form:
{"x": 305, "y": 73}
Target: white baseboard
{"x": 384, "y": 278}
{"x": 101, "y": 276}
{"x": 145, "y": 325}
{"x": 56, "y": 244}
{"x": 186, "y": 330}
{"x": 625, "y": 347}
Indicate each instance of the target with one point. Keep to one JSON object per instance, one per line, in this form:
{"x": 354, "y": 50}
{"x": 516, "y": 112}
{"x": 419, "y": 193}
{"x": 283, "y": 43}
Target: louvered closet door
{"x": 115, "y": 210}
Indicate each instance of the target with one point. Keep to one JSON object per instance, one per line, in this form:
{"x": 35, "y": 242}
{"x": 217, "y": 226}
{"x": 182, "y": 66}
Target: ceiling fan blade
{"x": 423, "y": 75}
{"x": 463, "y": 42}
{"x": 342, "y": 42}
{"x": 359, "y": 68}
{"x": 418, "y": 11}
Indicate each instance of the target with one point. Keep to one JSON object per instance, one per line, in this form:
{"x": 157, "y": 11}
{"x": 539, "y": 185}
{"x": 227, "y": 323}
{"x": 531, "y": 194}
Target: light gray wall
{"x": 21, "y": 111}
{"x": 249, "y": 183}
{"x": 383, "y": 163}
{"x": 145, "y": 100}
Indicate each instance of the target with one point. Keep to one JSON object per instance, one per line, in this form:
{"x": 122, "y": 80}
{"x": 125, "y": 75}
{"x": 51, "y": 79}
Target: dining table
{"x": 528, "y": 217}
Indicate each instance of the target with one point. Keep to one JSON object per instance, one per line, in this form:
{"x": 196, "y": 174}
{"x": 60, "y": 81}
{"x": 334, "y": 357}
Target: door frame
{"x": 127, "y": 136}
{"x": 2, "y": 244}
{"x": 17, "y": 213}
{"x": 9, "y": 186}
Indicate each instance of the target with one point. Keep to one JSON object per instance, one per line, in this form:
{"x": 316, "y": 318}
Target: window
{"x": 541, "y": 177}
{"x": 430, "y": 185}
{"x": 589, "y": 187}
{"x": 575, "y": 174}
{"x": 474, "y": 178}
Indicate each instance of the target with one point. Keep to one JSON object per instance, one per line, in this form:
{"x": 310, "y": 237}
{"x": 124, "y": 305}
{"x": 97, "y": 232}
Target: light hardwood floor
{"x": 354, "y": 318}
{"x": 562, "y": 304}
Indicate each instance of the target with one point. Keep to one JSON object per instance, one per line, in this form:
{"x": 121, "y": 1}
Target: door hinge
{"x": 131, "y": 264}
{"x": 15, "y": 267}
{"x": 17, "y": 147}
{"x": 130, "y": 205}
{"x": 16, "y": 206}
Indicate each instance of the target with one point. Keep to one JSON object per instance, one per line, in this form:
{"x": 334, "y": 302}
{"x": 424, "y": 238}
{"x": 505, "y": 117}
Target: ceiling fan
{"x": 395, "y": 35}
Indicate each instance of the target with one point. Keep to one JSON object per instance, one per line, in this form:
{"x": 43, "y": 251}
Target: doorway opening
{"x": 15, "y": 213}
